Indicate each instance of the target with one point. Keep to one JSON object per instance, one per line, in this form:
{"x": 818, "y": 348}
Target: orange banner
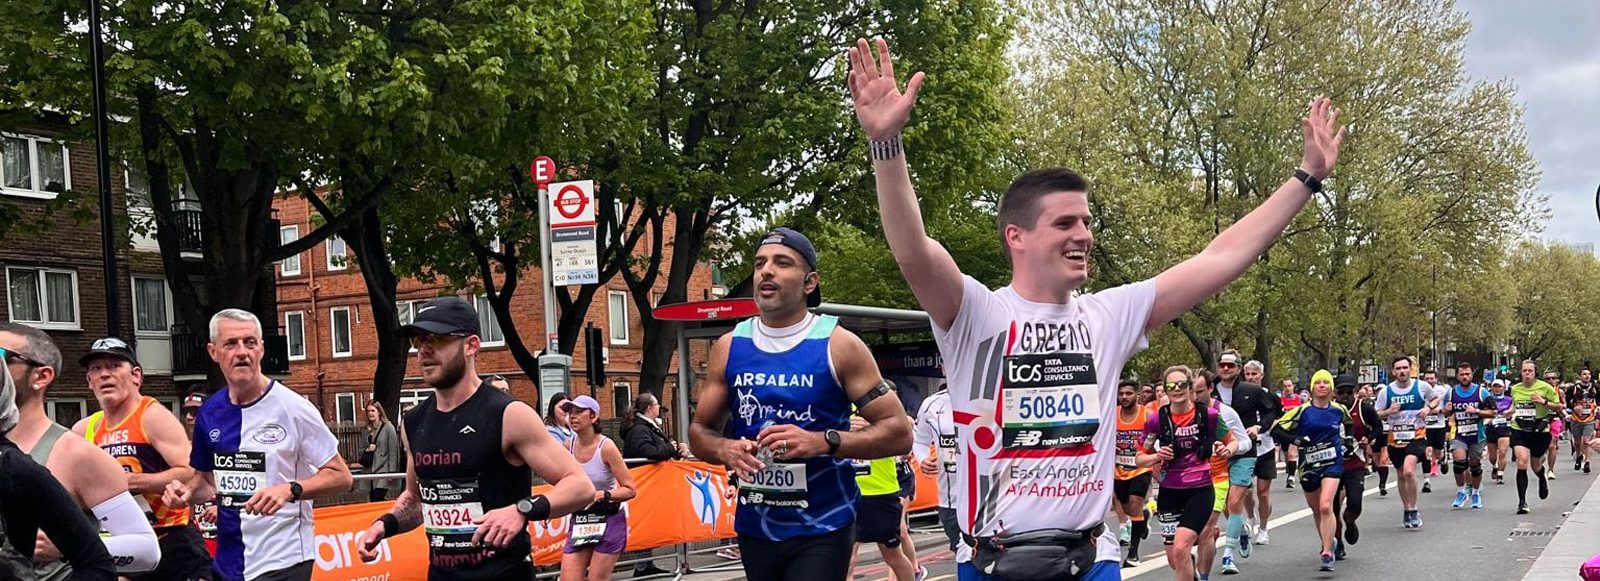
{"x": 679, "y": 502}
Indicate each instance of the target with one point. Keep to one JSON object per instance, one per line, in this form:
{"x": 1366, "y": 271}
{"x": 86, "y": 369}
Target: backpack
{"x": 1207, "y": 435}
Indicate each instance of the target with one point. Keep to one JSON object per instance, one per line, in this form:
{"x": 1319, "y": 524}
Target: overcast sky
{"x": 1551, "y": 49}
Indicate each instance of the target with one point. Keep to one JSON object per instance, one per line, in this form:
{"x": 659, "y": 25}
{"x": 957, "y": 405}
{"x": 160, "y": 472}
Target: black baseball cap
{"x": 1344, "y": 381}
{"x": 110, "y": 346}
{"x": 443, "y": 316}
{"x": 799, "y": 243}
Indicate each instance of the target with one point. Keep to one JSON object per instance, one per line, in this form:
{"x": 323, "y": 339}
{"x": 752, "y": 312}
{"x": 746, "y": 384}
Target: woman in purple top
{"x": 1182, "y": 438}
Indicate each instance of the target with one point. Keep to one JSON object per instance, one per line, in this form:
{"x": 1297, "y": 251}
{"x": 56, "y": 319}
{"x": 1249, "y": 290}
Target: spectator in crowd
{"x": 644, "y": 437}
{"x": 382, "y": 454}
{"x": 555, "y": 419}
{"x": 497, "y": 381}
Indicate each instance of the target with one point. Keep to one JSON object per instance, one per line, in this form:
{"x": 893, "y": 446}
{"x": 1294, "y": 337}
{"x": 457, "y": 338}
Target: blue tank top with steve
{"x": 790, "y": 500}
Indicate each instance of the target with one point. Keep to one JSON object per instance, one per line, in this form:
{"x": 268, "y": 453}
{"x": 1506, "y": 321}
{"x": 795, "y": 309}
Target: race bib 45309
{"x": 239, "y": 476}
{"x": 1049, "y": 401}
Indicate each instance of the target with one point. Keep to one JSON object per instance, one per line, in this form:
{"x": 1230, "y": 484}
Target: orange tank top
{"x": 128, "y": 443}
{"x": 1130, "y": 436}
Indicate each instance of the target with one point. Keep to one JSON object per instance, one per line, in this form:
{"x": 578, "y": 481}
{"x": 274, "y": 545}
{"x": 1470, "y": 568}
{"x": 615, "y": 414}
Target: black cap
{"x": 443, "y": 316}
{"x": 1344, "y": 380}
{"x": 111, "y": 346}
{"x": 799, "y": 243}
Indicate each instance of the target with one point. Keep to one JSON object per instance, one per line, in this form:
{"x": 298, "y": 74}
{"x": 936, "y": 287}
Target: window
{"x": 488, "y": 325}
{"x": 291, "y": 265}
{"x": 44, "y": 298}
{"x": 65, "y": 411}
{"x": 137, "y": 187}
{"x": 339, "y": 321}
{"x": 621, "y": 397}
{"x": 151, "y": 306}
{"x": 294, "y": 325}
{"x": 33, "y": 167}
{"x": 617, "y": 309}
{"x": 337, "y": 257}
{"x": 344, "y": 407}
{"x": 409, "y": 398}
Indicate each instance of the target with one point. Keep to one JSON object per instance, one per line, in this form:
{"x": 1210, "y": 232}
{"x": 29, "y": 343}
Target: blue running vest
{"x": 793, "y": 387}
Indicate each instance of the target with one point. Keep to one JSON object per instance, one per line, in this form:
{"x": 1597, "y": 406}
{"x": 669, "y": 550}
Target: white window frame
{"x": 611, "y": 318}
{"x": 51, "y": 403}
{"x": 486, "y": 314}
{"x": 411, "y": 307}
{"x": 166, "y": 293}
{"x": 289, "y": 335}
{"x": 284, "y": 267}
{"x": 414, "y": 396}
{"x": 344, "y": 255}
{"x": 33, "y": 160}
{"x": 77, "y": 308}
{"x": 333, "y": 332}
{"x": 339, "y": 417}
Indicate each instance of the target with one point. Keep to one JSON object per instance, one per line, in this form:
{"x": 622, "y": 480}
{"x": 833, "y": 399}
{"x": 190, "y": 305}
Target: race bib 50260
{"x": 779, "y": 485}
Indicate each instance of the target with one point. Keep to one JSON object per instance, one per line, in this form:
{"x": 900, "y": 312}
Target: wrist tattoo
{"x": 886, "y": 149}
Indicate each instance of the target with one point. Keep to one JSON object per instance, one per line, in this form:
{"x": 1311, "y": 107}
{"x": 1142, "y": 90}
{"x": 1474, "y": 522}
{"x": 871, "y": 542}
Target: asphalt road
{"x": 1490, "y": 543}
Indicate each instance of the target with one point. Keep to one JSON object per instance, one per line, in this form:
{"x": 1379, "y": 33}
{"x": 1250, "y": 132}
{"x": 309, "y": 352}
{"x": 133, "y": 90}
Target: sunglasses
{"x": 1178, "y": 385}
{"x": 15, "y": 357}
{"x": 433, "y": 340}
{"x": 1227, "y": 365}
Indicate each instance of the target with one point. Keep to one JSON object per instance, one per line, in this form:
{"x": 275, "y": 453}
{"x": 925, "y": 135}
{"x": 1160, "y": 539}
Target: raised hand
{"x": 1323, "y": 138}
{"x": 880, "y": 106}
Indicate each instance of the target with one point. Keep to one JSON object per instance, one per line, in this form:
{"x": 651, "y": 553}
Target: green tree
{"x": 1181, "y": 116}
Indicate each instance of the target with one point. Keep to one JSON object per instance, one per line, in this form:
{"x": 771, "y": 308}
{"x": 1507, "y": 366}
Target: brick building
{"x": 55, "y": 277}
{"x": 324, "y": 310}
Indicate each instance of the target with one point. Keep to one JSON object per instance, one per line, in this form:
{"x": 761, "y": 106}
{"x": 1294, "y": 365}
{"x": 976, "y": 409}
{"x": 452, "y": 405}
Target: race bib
{"x": 1321, "y": 453}
{"x": 1436, "y": 421}
{"x": 1466, "y": 429}
{"x": 1049, "y": 401}
{"x": 862, "y": 467}
{"x": 948, "y": 451}
{"x": 1126, "y": 460}
{"x": 1403, "y": 437}
{"x": 1584, "y": 410}
{"x": 588, "y": 528}
{"x": 777, "y": 485}
{"x": 239, "y": 476}
{"x": 1524, "y": 411}
{"x": 1498, "y": 422}
{"x": 451, "y": 508}
{"x": 1169, "y": 524}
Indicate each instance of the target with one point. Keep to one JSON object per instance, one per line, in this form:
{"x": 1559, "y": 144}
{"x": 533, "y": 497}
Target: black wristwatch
{"x": 607, "y": 495}
{"x": 1310, "y": 182}
{"x": 832, "y": 438}
{"x": 296, "y": 491}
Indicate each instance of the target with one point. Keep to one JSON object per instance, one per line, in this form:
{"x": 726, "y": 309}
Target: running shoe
{"x": 1461, "y": 499}
{"x": 1577, "y": 465}
{"x": 1338, "y": 550}
{"x": 1585, "y": 467}
{"x": 1228, "y": 568}
{"x": 1132, "y": 560}
{"x": 1477, "y": 498}
{"x": 1352, "y": 534}
{"x": 730, "y": 553}
{"x": 1522, "y": 508}
{"x": 922, "y": 573}
{"x": 1262, "y": 538}
{"x": 1327, "y": 563}
{"x": 1383, "y": 491}
{"x": 1427, "y": 485}
{"x": 1416, "y": 519}
{"x": 1544, "y": 489}
{"x": 1244, "y": 543}
{"x": 1289, "y": 485}
{"x": 1550, "y": 474}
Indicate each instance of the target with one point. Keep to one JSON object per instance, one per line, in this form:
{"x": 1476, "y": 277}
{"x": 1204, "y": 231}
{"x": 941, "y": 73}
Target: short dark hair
{"x": 1211, "y": 377}
{"x": 1020, "y": 204}
{"x": 1463, "y": 365}
{"x": 1128, "y": 383}
{"x": 1399, "y": 358}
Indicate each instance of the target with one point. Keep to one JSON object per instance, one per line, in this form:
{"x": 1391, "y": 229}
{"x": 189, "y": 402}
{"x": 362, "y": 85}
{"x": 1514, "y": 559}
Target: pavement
{"x": 1485, "y": 544}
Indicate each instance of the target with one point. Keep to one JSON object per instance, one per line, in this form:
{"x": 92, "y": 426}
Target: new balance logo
{"x": 468, "y": 430}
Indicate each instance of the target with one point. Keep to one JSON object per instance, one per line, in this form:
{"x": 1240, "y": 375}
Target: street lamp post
{"x": 108, "y": 241}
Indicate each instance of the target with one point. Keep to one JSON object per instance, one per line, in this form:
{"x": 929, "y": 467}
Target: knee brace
{"x": 1477, "y": 470}
{"x": 1459, "y": 465}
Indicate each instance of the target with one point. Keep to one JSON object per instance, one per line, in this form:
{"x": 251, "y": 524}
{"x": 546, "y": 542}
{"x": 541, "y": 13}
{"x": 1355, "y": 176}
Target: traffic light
{"x": 594, "y": 357}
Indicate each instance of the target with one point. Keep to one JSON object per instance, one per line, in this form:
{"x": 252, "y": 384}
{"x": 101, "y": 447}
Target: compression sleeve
{"x": 924, "y": 432}
{"x": 132, "y": 544}
{"x": 36, "y": 501}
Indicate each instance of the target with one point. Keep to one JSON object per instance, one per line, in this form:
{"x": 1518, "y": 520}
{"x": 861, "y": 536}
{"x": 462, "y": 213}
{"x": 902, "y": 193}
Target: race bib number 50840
{"x": 1049, "y": 401}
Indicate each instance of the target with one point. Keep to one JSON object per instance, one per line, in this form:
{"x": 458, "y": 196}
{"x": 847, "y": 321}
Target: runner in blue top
{"x": 263, "y": 452}
{"x": 1318, "y": 428}
{"x": 1498, "y": 430}
{"x": 1469, "y": 406}
{"x": 789, "y": 378}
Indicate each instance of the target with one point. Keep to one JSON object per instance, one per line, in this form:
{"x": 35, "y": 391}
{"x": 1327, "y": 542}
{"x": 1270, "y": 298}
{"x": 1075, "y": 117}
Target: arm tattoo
{"x": 408, "y": 510}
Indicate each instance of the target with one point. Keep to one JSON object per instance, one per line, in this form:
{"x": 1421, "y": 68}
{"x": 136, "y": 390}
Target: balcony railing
{"x": 187, "y": 215}
{"x": 189, "y": 355}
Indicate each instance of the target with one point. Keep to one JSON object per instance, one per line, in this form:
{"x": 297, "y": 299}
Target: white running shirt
{"x": 1033, "y": 389}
